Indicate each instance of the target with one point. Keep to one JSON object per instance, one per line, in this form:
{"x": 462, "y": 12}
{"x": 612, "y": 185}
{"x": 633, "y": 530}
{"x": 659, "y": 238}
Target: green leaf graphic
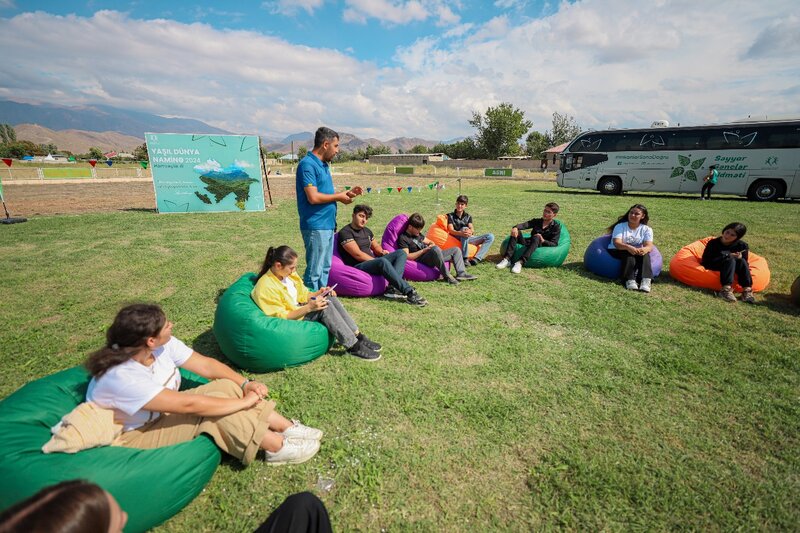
{"x": 677, "y": 171}
{"x": 699, "y": 163}
{"x": 690, "y": 175}
{"x": 684, "y": 161}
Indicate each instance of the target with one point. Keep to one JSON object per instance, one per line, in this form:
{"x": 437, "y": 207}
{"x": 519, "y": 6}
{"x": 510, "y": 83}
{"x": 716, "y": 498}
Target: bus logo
{"x": 733, "y": 137}
{"x": 687, "y": 167}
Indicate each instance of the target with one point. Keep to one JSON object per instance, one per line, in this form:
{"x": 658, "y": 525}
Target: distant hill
{"x": 77, "y": 141}
{"x": 98, "y": 118}
{"x": 348, "y": 143}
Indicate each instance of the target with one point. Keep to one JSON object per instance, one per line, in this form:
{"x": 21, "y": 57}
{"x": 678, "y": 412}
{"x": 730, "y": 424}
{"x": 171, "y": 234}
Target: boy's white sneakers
{"x": 503, "y": 264}
{"x": 517, "y": 268}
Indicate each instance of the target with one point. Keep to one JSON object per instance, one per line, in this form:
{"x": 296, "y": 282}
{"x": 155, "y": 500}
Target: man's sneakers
{"x": 362, "y": 350}
{"x": 414, "y": 298}
{"x": 645, "y": 286}
{"x": 517, "y": 268}
{"x": 747, "y": 296}
{"x": 295, "y": 450}
{"x": 631, "y": 285}
{"x": 394, "y": 294}
{"x": 465, "y": 277}
{"x": 727, "y": 294}
{"x": 503, "y": 264}
{"x": 451, "y": 280}
{"x": 472, "y": 262}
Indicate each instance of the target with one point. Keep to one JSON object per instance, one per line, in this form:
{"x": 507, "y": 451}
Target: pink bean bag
{"x": 414, "y": 271}
{"x": 352, "y": 281}
{"x": 685, "y": 267}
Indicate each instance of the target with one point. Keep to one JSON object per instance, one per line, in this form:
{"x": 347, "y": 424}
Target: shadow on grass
{"x": 206, "y": 344}
{"x": 642, "y": 194}
{"x": 140, "y": 209}
{"x": 780, "y": 303}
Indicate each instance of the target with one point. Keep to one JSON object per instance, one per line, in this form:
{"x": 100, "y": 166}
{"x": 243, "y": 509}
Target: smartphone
{"x": 357, "y": 190}
{"x": 326, "y": 293}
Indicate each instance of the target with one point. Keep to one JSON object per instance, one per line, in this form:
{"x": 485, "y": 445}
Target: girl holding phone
{"x": 280, "y": 293}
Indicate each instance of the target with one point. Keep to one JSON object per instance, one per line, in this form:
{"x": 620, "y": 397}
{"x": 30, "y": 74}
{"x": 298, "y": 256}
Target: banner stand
{"x": 266, "y": 174}
{"x": 9, "y": 219}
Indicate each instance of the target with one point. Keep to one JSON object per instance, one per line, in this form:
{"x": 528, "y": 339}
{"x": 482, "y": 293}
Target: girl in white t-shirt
{"x": 136, "y": 374}
{"x": 632, "y": 242}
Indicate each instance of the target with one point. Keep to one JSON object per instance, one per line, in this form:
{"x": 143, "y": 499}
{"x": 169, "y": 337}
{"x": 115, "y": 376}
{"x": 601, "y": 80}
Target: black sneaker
{"x": 394, "y": 294}
{"x": 414, "y": 298}
{"x": 362, "y": 351}
{"x": 473, "y": 262}
{"x": 466, "y": 277}
{"x": 369, "y": 343}
{"x": 450, "y": 279}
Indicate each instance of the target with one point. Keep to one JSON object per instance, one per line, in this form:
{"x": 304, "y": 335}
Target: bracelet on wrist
{"x": 244, "y": 383}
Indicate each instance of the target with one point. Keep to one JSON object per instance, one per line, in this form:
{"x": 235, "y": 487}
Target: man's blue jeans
{"x": 391, "y": 267}
{"x": 319, "y": 250}
{"x": 484, "y": 240}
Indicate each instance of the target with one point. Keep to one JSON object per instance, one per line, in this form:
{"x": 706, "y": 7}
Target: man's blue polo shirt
{"x": 312, "y": 171}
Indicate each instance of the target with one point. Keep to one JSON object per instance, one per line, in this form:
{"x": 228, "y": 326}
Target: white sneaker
{"x": 294, "y": 451}
{"x": 300, "y": 431}
{"x": 503, "y": 264}
{"x": 631, "y": 285}
{"x": 517, "y": 268}
{"x": 645, "y": 286}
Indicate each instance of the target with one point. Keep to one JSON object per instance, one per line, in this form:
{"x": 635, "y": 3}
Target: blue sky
{"x": 416, "y": 68}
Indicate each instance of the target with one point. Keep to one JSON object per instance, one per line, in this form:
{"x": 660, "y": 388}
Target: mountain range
{"x": 78, "y": 128}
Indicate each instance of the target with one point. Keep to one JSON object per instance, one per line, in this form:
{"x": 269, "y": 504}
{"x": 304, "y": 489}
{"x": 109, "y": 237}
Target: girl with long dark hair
{"x": 632, "y": 242}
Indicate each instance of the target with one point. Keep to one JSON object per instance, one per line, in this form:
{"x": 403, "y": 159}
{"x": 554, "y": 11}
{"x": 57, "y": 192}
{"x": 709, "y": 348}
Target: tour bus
{"x": 760, "y": 160}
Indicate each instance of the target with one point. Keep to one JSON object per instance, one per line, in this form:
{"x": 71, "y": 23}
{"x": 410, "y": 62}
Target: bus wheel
{"x": 765, "y": 190}
{"x": 610, "y": 185}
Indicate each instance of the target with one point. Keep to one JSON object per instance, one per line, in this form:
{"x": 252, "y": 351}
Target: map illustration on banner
{"x": 193, "y": 173}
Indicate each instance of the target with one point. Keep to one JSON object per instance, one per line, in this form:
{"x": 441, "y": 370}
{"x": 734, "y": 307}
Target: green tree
{"x": 535, "y": 144}
{"x": 11, "y": 132}
{"x": 95, "y": 153}
{"x": 301, "y": 152}
{"x": 499, "y": 130}
{"x": 140, "y": 153}
{"x": 419, "y": 149}
{"x": 564, "y": 129}
{"x": 3, "y": 134}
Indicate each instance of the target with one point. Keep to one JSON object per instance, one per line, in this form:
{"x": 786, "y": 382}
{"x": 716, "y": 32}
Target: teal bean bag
{"x": 262, "y": 343}
{"x": 544, "y": 256}
{"x": 150, "y": 485}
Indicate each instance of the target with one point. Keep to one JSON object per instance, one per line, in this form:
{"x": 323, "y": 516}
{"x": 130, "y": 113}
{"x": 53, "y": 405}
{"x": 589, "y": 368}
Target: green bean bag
{"x": 544, "y": 256}
{"x": 150, "y": 485}
{"x": 262, "y": 343}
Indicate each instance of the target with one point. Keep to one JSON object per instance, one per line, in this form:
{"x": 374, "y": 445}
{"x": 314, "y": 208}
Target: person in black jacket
{"x": 728, "y": 254}
{"x": 545, "y": 231}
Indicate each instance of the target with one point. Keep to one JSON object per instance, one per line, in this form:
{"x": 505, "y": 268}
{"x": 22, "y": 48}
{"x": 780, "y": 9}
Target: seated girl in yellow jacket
{"x": 280, "y": 292}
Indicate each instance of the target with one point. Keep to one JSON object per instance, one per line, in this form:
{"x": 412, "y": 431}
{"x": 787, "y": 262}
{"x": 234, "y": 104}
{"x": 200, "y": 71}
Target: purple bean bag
{"x": 414, "y": 271}
{"x": 598, "y": 261}
{"x": 352, "y": 281}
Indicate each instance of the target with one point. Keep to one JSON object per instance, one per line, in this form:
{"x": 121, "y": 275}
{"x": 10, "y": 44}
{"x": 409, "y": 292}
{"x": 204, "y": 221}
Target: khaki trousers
{"x": 238, "y": 434}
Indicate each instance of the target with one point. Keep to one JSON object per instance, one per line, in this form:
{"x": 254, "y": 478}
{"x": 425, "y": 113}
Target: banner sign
{"x": 194, "y": 173}
{"x": 488, "y": 172}
{"x": 403, "y": 170}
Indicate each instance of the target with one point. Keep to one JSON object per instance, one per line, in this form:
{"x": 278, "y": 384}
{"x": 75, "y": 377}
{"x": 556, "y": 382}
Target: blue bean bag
{"x": 598, "y": 261}
{"x": 150, "y": 485}
{"x": 261, "y": 343}
{"x": 544, "y": 256}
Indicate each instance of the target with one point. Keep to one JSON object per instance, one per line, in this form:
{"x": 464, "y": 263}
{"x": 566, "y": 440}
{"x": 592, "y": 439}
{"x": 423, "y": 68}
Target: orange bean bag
{"x": 441, "y": 238}
{"x": 685, "y": 267}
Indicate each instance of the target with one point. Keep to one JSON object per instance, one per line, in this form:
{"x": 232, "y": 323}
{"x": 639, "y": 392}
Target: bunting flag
{"x": 109, "y": 162}
{"x": 399, "y": 189}
{"x": 71, "y": 158}
{"x": 144, "y": 164}
{"x": 369, "y": 190}
{"x": 8, "y": 161}
{"x": 347, "y": 187}
{"x": 388, "y": 189}
{"x": 410, "y": 189}
{"x": 93, "y": 162}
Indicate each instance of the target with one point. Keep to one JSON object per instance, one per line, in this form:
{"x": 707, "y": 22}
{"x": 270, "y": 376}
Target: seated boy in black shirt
{"x": 359, "y": 249}
{"x": 545, "y": 232}
{"x": 423, "y": 251}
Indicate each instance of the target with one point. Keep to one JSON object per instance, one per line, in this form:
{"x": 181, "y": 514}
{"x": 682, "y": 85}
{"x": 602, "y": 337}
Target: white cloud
{"x": 385, "y": 11}
{"x": 292, "y": 7}
{"x": 615, "y": 62}
{"x": 7, "y": 4}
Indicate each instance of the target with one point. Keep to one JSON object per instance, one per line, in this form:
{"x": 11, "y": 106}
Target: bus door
{"x": 580, "y": 170}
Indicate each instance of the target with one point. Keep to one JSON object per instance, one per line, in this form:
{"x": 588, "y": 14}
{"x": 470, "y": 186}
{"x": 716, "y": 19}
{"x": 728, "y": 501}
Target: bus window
{"x": 650, "y": 141}
{"x": 686, "y": 140}
{"x": 781, "y": 137}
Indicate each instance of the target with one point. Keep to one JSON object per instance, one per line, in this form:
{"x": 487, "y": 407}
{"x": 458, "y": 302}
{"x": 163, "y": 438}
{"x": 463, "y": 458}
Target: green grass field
{"x": 548, "y": 400}
{"x": 80, "y": 172}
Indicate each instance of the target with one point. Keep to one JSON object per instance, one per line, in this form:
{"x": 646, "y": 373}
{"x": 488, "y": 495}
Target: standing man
{"x": 316, "y": 205}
